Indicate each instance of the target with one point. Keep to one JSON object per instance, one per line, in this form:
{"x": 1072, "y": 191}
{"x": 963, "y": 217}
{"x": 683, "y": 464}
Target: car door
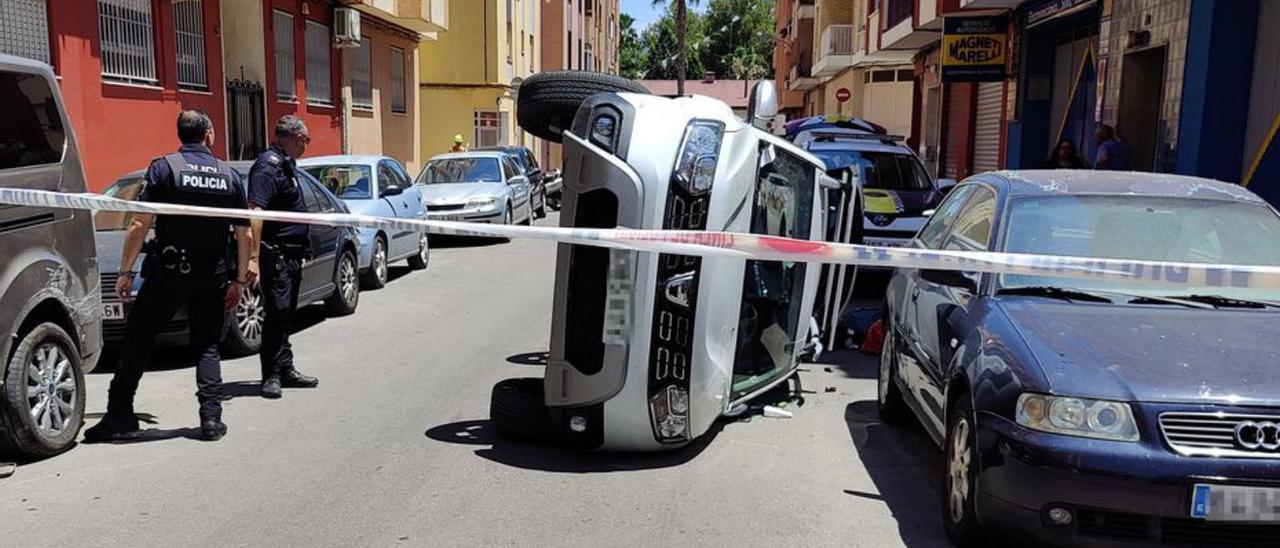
{"x": 905, "y": 300}
{"x": 519, "y": 191}
{"x": 533, "y": 171}
{"x": 392, "y": 190}
{"x": 941, "y": 310}
{"x": 317, "y": 274}
{"x": 412, "y": 193}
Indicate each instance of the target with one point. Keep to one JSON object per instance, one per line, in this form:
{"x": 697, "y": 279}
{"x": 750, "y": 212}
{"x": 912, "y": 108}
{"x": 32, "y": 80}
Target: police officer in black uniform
{"x": 188, "y": 262}
{"x": 273, "y": 185}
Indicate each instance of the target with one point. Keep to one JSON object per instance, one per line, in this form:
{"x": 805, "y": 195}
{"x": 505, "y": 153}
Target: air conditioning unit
{"x": 346, "y": 28}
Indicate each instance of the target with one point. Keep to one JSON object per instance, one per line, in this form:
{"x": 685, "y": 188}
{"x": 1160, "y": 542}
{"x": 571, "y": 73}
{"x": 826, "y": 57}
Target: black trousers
{"x": 157, "y": 302}
{"x": 280, "y": 277}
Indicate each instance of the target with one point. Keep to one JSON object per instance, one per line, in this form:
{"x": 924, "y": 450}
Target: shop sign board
{"x": 974, "y": 49}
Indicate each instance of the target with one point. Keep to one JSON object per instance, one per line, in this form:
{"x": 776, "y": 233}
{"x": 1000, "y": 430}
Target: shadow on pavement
{"x": 153, "y": 434}
{"x": 395, "y": 273}
{"x": 451, "y": 242}
{"x": 853, "y": 363}
{"x": 552, "y": 458}
{"x": 242, "y": 389}
{"x": 906, "y": 467}
{"x": 530, "y": 358}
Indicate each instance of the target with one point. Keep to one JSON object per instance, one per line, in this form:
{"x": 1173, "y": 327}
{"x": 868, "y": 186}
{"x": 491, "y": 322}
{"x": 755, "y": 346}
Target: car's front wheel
{"x": 542, "y": 207}
{"x": 346, "y": 291}
{"x": 244, "y": 325}
{"x": 420, "y": 260}
{"x": 893, "y": 410}
{"x": 376, "y": 276}
{"x": 959, "y": 485}
{"x": 43, "y": 404}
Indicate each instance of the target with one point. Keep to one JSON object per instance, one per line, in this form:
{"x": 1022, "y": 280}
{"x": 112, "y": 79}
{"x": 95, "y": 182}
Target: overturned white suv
{"x": 649, "y": 349}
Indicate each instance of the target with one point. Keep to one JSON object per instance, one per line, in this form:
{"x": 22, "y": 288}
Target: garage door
{"x": 986, "y": 127}
{"x": 24, "y": 29}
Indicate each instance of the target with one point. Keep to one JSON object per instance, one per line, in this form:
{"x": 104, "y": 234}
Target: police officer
{"x": 273, "y": 185}
{"x": 188, "y": 262}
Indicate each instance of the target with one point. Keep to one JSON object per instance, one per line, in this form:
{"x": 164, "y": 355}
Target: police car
{"x": 897, "y": 191}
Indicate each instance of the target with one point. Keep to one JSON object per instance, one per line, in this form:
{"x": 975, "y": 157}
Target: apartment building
{"x": 578, "y": 35}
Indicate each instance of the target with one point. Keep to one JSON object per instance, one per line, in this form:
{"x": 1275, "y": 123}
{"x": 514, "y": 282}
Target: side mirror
{"x": 392, "y": 191}
{"x": 929, "y": 212}
{"x": 945, "y": 185}
{"x": 763, "y": 106}
{"x": 518, "y": 179}
{"x": 950, "y": 278}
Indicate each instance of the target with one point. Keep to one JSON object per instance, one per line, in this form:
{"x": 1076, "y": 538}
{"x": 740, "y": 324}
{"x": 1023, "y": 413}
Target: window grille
{"x": 127, "y": 41}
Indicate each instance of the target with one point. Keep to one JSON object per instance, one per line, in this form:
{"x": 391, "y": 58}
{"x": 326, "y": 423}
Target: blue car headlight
{"x": 695, "y": 168}
{"x": 1073, "y": 416}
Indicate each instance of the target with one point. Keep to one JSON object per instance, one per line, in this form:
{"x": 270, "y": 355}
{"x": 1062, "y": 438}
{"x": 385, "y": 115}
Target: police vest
{"x": 205, "y": 180}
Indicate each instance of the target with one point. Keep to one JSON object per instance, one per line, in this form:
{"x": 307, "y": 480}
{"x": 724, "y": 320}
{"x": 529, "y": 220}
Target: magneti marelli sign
{"x": 974, "y": 49}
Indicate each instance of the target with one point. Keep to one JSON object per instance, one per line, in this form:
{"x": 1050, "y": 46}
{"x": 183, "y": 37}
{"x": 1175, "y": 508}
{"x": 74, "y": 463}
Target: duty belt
{"x": 286, "y": 248}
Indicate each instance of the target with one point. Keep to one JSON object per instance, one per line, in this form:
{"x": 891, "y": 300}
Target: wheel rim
{"x": 886, "y": 366}
{"x": 423, "y": 248}
{"x": 250, "y": 315}
{"x": 51, "y": 389}
{"x": 958, "y": 463}
{"x": 506, "y": 219}
{"x": 347, "y": 280}
{"x": 380, "y": 261}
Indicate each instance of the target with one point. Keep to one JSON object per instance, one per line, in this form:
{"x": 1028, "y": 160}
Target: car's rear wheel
{"x": 43, "y": 405}
{"x": 420, "y": 260}
{"x": 542, "y": 207}
{"x": 244, "y": 325}
{"x": 376, "y": 276}
{"x": 517, "y": 409}
{"x": 548, "y": 101}
{"x": 893, "y": 410}
{"x": 528, "y": 219}
{"x": 959, "y": 485}
{"x": 346, "y": 292}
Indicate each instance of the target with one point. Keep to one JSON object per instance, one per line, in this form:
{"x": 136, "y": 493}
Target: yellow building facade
{"x": 469, "y": 75}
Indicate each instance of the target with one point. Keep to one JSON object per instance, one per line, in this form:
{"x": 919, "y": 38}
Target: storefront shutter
{"x": 956, "y": 108}
{"x": 986, "y": 128}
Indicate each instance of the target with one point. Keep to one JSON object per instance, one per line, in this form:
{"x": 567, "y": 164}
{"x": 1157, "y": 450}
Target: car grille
{"x": 445, "y": 207}
{"x": 1214, "y": 434}
{"x": 1177, "y": 531}
{"x": 109, "y": 287}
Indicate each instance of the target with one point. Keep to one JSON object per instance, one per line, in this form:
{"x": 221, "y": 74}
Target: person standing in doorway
{"x": 283, "y": 247}
{"x": 1113, "y": 154}
{"x": 188, "y": 262}
{"x": 1065, "y": 156}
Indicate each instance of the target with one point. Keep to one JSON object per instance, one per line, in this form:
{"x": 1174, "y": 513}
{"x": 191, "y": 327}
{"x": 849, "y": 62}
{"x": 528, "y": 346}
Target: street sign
{"x": 843, "y": 95}
{"x": 974, "y": 48}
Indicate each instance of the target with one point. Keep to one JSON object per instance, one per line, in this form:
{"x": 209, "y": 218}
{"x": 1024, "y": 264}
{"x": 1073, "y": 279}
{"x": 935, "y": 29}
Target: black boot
{"x": 291, "y": 378}
{"x": 212, "y": 429}
{"x": 271, "y": 388}
{"x": 112, "y": 427}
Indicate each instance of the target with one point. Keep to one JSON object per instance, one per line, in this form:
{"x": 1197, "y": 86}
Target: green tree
{"x": 738, "y": 36}
{"x": 682, "y": 28}
{"x": 665, "y": 48}
{"x": 631, "y": 51}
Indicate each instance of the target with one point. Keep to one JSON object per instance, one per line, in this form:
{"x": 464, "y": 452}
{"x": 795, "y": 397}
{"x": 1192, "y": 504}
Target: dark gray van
{"x": 50, "y": 299}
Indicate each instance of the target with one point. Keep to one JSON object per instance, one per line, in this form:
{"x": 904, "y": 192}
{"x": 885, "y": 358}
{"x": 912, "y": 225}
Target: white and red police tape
{"x": 721, "y": 244}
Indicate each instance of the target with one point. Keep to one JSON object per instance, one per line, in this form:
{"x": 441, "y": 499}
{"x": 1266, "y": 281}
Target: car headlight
{"x": 482, "y": 202}
{"x": 1073, "y": 416}
{"x": 669, "y": 409}
{"x": 695, "y": 168}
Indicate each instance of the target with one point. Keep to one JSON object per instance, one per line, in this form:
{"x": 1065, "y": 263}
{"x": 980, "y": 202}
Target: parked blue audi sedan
{"x": 1095, "y": 411}
{"x": 378, "y": 186}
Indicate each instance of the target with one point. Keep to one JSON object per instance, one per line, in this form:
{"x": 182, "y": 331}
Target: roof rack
{"x": 825, "y": 137}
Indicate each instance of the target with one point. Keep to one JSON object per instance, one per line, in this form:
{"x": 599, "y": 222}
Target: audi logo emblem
{"x": 1258, "y": 435}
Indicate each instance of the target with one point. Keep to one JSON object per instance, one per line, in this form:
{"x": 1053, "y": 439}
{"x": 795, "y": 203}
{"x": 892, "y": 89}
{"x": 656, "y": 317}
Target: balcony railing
{"x": 837, "y": 40}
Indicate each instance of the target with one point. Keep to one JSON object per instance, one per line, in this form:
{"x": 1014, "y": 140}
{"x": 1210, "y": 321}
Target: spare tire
{"x": 517, "y": 410}
{"x": 547, "y": 101}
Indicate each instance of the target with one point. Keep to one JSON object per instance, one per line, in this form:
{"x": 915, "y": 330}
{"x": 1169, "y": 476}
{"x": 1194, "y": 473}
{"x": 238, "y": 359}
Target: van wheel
{"x": 346, "y": 291}
{"x": 43, "y": 407}
{"x": 548, "y": 101}
{"x": 244, "y": 325}
{"x": 518, "y": 410}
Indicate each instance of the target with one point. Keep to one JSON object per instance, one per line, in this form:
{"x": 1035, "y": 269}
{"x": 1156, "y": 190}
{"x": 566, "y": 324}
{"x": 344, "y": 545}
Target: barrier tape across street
{"x": 720, "y": 244}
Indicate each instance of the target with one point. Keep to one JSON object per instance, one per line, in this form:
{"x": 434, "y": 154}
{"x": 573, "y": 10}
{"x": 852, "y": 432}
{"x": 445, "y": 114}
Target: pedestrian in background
{"x": 187, "y": 263}
{"x": 274, "y": 186}
{"x": 1113, "y": 153}
{"x": 457, "y": 144}
{"x": 1066, "y": 156}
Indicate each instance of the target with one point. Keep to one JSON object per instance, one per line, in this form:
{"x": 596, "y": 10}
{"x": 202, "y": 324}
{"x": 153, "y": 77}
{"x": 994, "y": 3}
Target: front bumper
{"x": 1119, "y": 492}
{"x": 470, "y": 215}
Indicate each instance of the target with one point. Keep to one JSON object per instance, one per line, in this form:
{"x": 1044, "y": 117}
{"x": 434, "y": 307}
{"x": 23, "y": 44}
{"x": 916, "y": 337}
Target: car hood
{"x": 1152, "y": 353}
{"x": 364, "y": 207}
{"x": 452, "y": 193}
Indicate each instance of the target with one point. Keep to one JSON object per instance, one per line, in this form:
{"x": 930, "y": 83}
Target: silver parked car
{"x": 51, "y": 328}
{"x": 484, "y": 187}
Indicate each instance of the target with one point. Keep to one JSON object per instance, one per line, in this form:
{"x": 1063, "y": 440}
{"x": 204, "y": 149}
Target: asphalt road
{"x": 394, "y": 447}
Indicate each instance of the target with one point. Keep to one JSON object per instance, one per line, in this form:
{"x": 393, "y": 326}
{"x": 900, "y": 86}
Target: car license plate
{"x": 886, "y": 243}
{"x": 447, "y": 218}
{"x": 1235, "y": 503}
{"x": 112, "y": 311}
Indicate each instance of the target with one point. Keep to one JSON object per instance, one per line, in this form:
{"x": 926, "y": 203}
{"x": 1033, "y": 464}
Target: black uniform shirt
{"x": 274, "y": 185}
{"x": 202, "y": 183}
